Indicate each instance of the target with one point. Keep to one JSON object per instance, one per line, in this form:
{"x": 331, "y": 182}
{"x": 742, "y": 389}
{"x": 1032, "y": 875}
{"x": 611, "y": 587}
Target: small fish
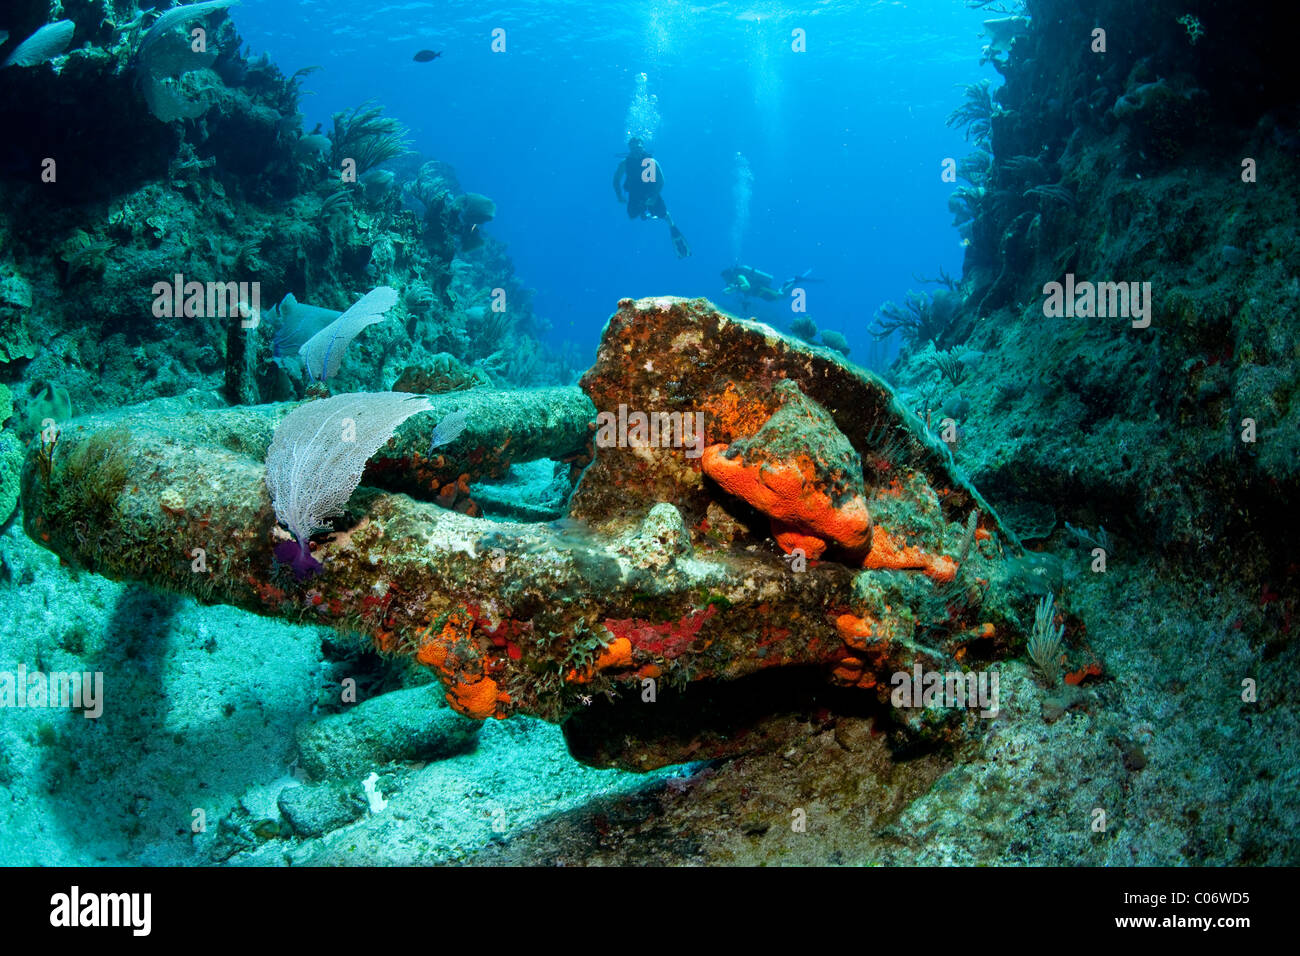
{"x": 448, "y": 430}
{"x": 424, "y": 56}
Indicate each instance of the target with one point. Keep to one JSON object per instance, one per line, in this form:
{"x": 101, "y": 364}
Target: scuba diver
{"x": 643, "y": 179}
{"x": 750, "y": 283}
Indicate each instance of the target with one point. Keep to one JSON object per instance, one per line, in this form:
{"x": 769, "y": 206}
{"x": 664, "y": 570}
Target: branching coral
{"x": 1028, "y": 168}
{"x": 366, "y": 136}
{"x": 805, "y": 328}
{"x": 975, "y": 167}
{"x": 1192, "y": 25}
{"x": 964, "y": 203}
{"x": 921, "y": 318}
{"x": 1046, "y": 641}
{"x": 1054, "y": 192}
{"x": 943, "y": 279}
{"x": 336, "y": 203}
{"x": 976, "y": 113}
{"x": 487, "y": 329}
{"x": 949, "y": 365}
{"x": 431, "y": 188}
{"x": 520, "y": 363}
{"x": 1089, "y": 540}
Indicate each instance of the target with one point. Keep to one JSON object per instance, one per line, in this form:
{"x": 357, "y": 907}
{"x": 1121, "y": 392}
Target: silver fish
{"x": 448, "y": 430}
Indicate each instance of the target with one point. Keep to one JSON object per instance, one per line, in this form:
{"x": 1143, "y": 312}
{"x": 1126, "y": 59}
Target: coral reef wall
{"x": 1132, "y": 143}
{"x": 134, "y": 160}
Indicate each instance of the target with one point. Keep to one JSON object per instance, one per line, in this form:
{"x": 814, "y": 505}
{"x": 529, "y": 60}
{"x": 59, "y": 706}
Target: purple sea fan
{"x": 322, "y": 354}
{"x": 316, "y": 459}
{"x": 295, "y": 322}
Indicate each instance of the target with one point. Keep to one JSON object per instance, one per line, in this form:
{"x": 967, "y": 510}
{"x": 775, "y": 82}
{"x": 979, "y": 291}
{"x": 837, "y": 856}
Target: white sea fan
{"x": 164, "y": 55}
{"x": 322, "y": 354}
{"x": 43, "y": 45}
{"x": 317, "y": 457}
{"x": 175, "y": 17}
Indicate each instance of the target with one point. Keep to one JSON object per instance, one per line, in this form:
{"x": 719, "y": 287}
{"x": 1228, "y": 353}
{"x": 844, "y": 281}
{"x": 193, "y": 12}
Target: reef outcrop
{"x": 1151, "y": 168}
{"x": 660, "y": 621}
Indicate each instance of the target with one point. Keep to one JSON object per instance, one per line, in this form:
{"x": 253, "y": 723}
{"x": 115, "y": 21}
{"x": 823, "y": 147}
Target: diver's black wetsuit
{"x": 644, "y": 199}
{"x": 643, "y": 179}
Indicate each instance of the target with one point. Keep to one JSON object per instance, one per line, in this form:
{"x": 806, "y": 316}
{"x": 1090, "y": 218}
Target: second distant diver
{"x": 641, "y": 177}
{"x": 750, "y": 283}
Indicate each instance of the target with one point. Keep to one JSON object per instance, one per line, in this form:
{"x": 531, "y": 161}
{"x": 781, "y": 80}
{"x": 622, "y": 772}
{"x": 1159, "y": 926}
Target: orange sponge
{"x": 800, "y": 470}
{"x": 887, "y": 553}
{"x": 803, "y": 515}
{"x": 477, "y": 699}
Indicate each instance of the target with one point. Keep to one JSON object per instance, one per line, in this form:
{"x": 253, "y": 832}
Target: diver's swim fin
{"x": 805, "y": 276}
{"x": 679, "y": 242}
